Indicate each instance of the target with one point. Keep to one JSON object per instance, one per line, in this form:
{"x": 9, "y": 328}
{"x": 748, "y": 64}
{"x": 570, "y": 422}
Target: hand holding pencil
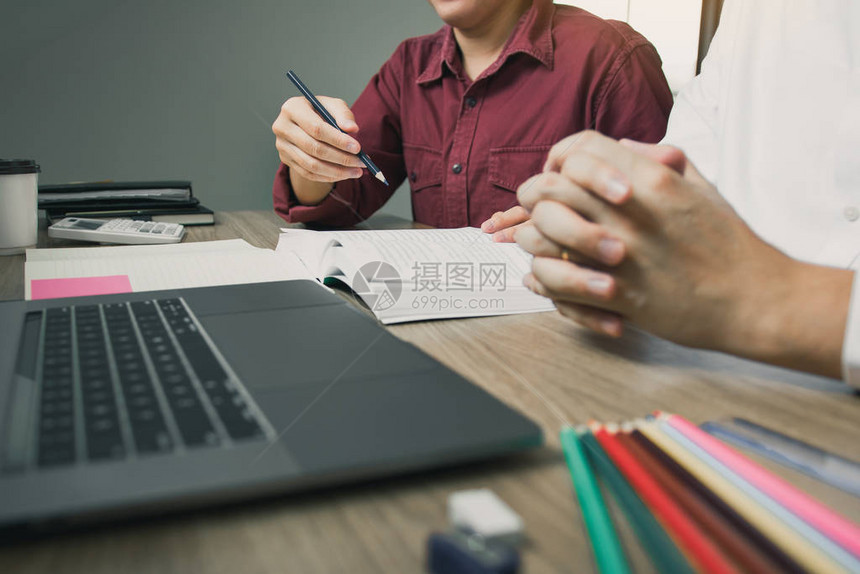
{"x": 314, "y": 138}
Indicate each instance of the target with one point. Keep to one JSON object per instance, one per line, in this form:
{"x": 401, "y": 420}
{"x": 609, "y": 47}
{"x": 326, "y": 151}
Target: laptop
{"x": 143, "y": 403}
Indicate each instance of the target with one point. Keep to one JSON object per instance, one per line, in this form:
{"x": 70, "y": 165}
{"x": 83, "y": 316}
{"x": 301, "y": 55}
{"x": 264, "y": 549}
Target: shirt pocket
{"x": 509, "y": 167}
{"x": 424, "y": 172}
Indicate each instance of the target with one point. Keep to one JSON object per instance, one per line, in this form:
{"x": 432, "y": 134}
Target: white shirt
{"x": 773, "y": 121}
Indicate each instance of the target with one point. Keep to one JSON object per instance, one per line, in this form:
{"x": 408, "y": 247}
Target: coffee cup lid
{"x": 16, "y": 166}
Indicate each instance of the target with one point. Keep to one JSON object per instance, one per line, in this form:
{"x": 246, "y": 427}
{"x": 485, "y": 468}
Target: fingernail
{"x": 610, "y": 250}
{"x": 353, "y": 147}
{"x": 529, "y": 282}
{"x": 356, "y": 173}
{"x": 489, "y": 226}
{"x": 609, "y": 326}
{"x": 599, "y": 285}
{"x": 616, "y": 188}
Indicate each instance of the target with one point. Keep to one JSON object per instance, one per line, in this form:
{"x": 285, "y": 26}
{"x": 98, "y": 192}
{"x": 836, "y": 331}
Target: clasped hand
{"x": 629, "y": 231}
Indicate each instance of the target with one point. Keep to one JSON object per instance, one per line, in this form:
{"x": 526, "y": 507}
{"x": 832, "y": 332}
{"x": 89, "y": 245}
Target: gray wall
{"x": 182, "y": 89}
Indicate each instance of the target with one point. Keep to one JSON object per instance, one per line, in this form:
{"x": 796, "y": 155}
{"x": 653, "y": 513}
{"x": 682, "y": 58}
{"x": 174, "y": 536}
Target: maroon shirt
{"x": 466, "y": 146}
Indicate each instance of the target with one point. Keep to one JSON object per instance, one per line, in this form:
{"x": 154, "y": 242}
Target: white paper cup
{"x": 19, "y": 186}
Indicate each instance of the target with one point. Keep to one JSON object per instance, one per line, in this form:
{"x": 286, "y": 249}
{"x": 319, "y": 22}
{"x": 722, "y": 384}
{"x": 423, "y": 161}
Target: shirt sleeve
{"x": 351, "y": 201}
{"x": 636, "y": 100}
{"x": 851, "y": 343}
{"x": 694, "y": 123}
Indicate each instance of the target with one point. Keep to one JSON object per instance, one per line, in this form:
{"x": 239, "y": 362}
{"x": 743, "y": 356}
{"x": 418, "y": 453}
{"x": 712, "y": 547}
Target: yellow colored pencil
{"x": 793, "y": 544}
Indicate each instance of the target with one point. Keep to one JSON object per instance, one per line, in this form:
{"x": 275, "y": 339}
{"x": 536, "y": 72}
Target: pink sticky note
{"x": 79, "y": 286}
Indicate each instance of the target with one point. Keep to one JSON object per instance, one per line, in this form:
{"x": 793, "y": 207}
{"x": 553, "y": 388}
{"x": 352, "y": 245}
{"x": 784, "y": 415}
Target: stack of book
{"x": 697, "y": 505}
{"x": 162, "y": 201}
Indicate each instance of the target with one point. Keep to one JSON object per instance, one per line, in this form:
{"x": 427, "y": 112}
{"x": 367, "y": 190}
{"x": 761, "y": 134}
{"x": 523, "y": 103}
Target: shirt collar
{"x": 532, "y": 36}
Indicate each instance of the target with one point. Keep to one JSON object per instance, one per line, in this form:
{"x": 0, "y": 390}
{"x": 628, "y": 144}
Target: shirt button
{"x": 457, "y": 168}
{"x": 851, "y": 213}
{"x": 413, "y": 177}
{"x": 471, "y": 102}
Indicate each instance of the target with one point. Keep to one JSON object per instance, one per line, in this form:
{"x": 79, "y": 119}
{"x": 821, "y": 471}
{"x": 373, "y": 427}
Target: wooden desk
{"x": 382, "y": 526}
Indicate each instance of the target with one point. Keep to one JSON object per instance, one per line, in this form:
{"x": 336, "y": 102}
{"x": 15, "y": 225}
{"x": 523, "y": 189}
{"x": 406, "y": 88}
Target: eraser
{"x": 485, "y": 514}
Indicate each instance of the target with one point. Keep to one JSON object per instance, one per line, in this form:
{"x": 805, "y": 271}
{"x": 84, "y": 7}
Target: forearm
{"x": 309, "y": 192}
{"x": 350, "y": 202}
{"x": 795, "y": 318}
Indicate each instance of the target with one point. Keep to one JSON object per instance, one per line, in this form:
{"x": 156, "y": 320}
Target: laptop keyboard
{"x": 134, "y": 379}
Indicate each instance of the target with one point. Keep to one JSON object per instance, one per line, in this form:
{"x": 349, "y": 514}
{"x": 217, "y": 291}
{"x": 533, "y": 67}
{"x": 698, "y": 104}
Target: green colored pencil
{"x": 663, "y": 552}
{"x": 601, "y": 532}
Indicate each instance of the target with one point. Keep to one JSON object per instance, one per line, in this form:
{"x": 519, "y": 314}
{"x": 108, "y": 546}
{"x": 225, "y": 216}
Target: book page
{"x": 310, "y": 247}
{"x": 416, "y": 274}
{"x": 103, "y": 252}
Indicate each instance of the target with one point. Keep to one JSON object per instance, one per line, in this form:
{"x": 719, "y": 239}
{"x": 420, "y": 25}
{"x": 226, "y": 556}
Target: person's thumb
{"x": 342, "y": 114}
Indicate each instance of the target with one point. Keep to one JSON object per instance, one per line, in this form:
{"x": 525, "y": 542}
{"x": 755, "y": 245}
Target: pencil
{"x": 663, "y": 552}
{"x": 839, "y": 529}
{"x": 788, "y": 451}
{"x": 792, "y": 543}
{"x": 816, "y": 538}
{"x": 601, "y": 532}
{"x": 735, "y": 544}
{"x": 765, "y": 544}
{"x": 320, "y": 109}
{"x": 698, "y": 547}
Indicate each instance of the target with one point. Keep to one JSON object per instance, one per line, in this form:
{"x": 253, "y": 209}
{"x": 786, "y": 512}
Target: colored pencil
{"x": 734, "y": 543}
{"x": 783, "y": 562}
{"x": 699, "y": 548}
{"x": 809, "y": 459}
{"x": 836, "y": 527}
{"x": 604, "y": 540}
{"x": 664, "y": 554}
{"x": 819, "y": 540}
{"x": 792, "y": 543}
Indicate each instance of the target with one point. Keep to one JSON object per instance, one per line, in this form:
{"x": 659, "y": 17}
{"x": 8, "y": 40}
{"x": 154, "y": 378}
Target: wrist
{"x": 309, "y": 192}
{"x": 792, "y": 314}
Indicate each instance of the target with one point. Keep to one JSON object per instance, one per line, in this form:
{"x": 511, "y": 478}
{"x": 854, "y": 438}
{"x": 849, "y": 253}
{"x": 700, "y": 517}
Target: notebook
{"x": 162, "y": 201}
{"x": 420, "y": 274}
{"x": 79, "y": 271}
{"x": 191, "y": 214}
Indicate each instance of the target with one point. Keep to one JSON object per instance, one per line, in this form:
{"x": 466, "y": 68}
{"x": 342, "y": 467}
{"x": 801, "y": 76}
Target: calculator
{"x": 126, "y": 231}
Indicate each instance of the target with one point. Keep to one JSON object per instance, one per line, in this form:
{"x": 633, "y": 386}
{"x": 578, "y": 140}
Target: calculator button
{"x": 135, "y": 225}
{"x": 159, "y": 228}
{"x": 146, "y": 227}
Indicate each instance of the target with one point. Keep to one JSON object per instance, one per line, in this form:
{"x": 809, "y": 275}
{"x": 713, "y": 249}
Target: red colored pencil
{"x": 733, "y": 542}
{"x": 706, "y": 555}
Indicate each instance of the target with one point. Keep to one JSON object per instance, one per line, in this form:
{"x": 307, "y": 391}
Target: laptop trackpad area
{"x": 283, "y": 347}
{"x": 420, "y": 419}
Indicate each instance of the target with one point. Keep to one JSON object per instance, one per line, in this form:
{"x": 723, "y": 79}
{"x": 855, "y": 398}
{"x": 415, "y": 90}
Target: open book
{"x": 418, "y": 274}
